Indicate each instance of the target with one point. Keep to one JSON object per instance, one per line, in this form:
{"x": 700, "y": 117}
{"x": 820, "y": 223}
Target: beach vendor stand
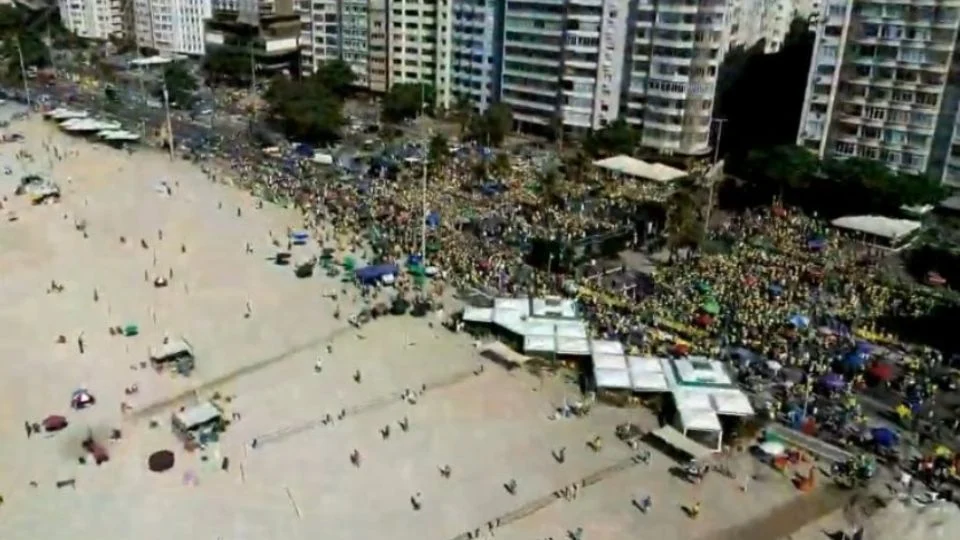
{"x": 174, "y": 352}
{"x": 199, "y": 425}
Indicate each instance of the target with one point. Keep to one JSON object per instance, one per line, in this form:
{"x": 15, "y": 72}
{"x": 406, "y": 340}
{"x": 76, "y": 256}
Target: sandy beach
{"x": 489, "y": 427}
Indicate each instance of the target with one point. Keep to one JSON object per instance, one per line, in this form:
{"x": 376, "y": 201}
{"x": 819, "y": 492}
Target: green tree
{"x": 783, "y": 169}
{"x": 463, "y": 113}
{"x": 501, "y": 165}
{"x": 306, "y": 110}
{"x": 615, "y": 139}
{"x": 438, "y": 152}
{"x": 338, "y": 77}
{"x": 227, "y": 67}
{"x": 684, "y": 227}
{"x": 405, "y": 101}
{"x": 180, "y": 84}
{"x": 492, "y": 127}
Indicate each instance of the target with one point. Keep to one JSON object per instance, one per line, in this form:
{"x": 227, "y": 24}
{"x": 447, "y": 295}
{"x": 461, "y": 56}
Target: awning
{"x": 679, "y": 441}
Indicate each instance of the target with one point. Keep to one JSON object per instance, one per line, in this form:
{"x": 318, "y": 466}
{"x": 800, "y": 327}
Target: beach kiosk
{"x": 200, "y": 424}
{"x": 173, "y": 352}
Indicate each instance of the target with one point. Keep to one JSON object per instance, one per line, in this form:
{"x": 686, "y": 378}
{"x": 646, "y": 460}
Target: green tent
{"x": 703, "y": 287}
{"x": 349, "y": 263}
{"x": 131, "y": 330}
{"x": 710, "y": 307}
{"x": 416, "y": 270}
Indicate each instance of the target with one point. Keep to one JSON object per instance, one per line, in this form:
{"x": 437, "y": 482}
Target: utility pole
{"x": 712, "y": 175}
{"x": 166, "y": 110}
{"x": 23, "y": 71}
{"x": 716, "y": 147}
{"x": 423, "y": 217}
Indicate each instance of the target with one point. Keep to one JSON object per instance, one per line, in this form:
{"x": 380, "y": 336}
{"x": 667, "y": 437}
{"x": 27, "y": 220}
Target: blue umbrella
{"x": 884, "y": 436}
{"x": 854, "y": 360}
{"x": 799, "y": 321}
{"x": 833, "y": 381}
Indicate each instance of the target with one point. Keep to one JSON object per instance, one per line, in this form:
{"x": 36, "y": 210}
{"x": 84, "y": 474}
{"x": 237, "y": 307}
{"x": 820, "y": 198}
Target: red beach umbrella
{"x": 882, "y": 371}
{"x": 54, "y": 422}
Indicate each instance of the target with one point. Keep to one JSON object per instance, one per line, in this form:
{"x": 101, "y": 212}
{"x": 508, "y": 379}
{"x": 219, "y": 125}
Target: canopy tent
{"x": 629, "y": 166}
{"x": 883, "y": 227}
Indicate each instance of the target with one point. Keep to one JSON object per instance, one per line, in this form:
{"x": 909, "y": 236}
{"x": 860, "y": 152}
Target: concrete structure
{"x": 385, "y": 42}
{"x": 269, "y": 30}
{"x": 92, "y": 19}
{"x": 878, "y": 86}
{"x": 671, "y": 72}
{"x": 171, "y": 26}
{"x": 562, "y": 62}
{"x": 755, "y": 20}
{"x": 420, "y": 45}
{"x": 477, "y": 37}
{"x": 378, "y": 45}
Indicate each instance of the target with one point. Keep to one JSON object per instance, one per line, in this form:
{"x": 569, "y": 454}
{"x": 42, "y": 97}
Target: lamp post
{"x": 166, "y": 110}
{"x": 23, "y": 70}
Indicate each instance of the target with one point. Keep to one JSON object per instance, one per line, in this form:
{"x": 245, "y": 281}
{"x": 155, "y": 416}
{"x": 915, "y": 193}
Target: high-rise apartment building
{"x": 92, "y": 19}
{"x": 571, "y": 64}
{"x": 267, "y": 30}
{"x": 672, "y": 62}
{"x": 562, "y": 62}
{"x": 171, "y": 26}
{"x": 879, "y": 85}
{"x": 477, "y": 38}
{"x": 754, "y": 20}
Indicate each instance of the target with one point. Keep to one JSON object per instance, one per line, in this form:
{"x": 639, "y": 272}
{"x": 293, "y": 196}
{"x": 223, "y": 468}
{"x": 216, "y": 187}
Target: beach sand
{"x": 298, "y": 482}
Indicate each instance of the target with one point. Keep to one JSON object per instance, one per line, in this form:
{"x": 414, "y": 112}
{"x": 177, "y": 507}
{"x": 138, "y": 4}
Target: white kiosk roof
{"x": 546, "y": 325}
{"x": 624, "y": 164}
{"x": 884, "y": 227}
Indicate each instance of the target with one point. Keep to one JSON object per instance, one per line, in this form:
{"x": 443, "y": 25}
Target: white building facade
{"x": 172, "y": 26}
{"x": 92, "y": 19}
{"x": 878, "y": 85}
{"x": 676, "y": 48}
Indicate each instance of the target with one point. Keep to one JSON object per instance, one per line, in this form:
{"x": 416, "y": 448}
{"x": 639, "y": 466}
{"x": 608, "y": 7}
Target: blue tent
{"x": 854, "y": 360}
{"x": 816, "y": 243}
{"x": 371, "y": 274}
{"x": 414, "y": 260}
{"x": 305, "y": 150}
{"x": 433, "y": 219}
{"x": 776, "y": 290}
{"x": 884, "y": 436}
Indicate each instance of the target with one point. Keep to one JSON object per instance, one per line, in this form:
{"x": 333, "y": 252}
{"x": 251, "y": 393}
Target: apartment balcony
{"x": 678, "y": 26}
{"x": 650, "y": 122}
{"x": 521, "y": 102}
{"x": 520, "y": 87}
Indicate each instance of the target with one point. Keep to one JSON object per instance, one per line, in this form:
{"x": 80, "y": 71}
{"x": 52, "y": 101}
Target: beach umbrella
{"x": 884, "y": 436}
{"x": 54, "y": 422}
{"x": 854, "y": 360}
{"x": 833, "y": 381}
{"x": 710, "y": 307}
{"x": 799, "y": 321}
{"x": 882, "y": 371}
{"x": 161, "y": 461}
